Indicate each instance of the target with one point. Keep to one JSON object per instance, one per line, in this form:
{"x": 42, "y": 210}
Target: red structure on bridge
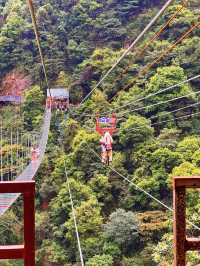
{"x": 27, "y": 250}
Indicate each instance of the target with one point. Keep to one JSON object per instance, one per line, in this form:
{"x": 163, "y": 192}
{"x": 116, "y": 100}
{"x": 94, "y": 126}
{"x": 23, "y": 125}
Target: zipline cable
{"x": 153, "y": 94}
{"x": 166, "y": 52}
{"x": 142, "y": 190}
{"x": 160, "y": 57}
{"x": 74, "y": 217}
{"x": 166, "y": 121}
{"x": 160, "y": 103}
{"x": 129, "y": 49}
{"x": 36, "y": 31}
{"x": 171, "y": 112}
{"x": 161, "y": 122}
{"x": 139, "y": 52}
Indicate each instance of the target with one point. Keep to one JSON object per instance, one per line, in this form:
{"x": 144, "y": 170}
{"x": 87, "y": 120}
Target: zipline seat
{"x": 110, "y": 123}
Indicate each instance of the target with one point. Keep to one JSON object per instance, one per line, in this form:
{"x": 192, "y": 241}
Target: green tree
{"x": 63, "y": 80}
{"x": 163, "y": 161}
{"x": 100, "y": 260}
{"x": 163, "y": 255}
{"x": 101, "y": 187}
{"x": 89, "y": 222}
{"x": 134, "y": 132}
{"x": 166, "y": 77}
{"x": 84, "y": 145}
{"x": 70, "y": 129}
{"x": 33, "y": 107}
{"x": 188, "y": 146}
{"x": 122, "y": 228}
{"x": 52, "y": 252}
{"x": 61, "y": 206}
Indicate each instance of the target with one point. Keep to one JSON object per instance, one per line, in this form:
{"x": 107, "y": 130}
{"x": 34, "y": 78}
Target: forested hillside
{"x": 157, "y": 132}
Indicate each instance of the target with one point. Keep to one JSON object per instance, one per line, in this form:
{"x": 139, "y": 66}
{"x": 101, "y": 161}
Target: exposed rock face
{"x": 14, "y": 83}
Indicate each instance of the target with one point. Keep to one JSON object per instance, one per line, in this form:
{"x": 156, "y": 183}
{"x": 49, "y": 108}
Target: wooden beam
{"x": 12, "y": 252}
{"x": 192, "y": 244}
{"x": 187, "y": 182}
{"x": 16, "y": 186}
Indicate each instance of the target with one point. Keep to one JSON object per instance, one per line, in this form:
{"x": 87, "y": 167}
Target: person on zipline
{"x": 103, "y": 150}
{"x": 108, "y": 141}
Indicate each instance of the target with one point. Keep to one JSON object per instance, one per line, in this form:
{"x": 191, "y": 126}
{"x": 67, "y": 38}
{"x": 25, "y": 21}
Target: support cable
{"x": 17, "y": 149}
{"x": 28, "y": 147}
{"x": 166, "y": 52}
{"x": 36, "y": 31}
{"x": 8, "y": 159}
{"x": 129, "y": 49}
{"x": 154, "y": 94}
{"x": 161, "y": 122}
{"x": 142, "y": 190}
{"x": 160, "y": 103}
{"x": 169, "y": 49}
{"x": 141, "y": 52}
{"x": 151, "y": 95}
{"x": 22, "y": 153}
{"x": 171, "y": 112}
{"x": 166, "y": 121}
{"x": 74, "y": 217}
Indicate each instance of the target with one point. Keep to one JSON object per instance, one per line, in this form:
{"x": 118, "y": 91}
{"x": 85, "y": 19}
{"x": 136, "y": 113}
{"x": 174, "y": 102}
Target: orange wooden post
{"x": 29, "y": 227}
{"x": 26, "y": 251}
{"x": 182, "y": 244}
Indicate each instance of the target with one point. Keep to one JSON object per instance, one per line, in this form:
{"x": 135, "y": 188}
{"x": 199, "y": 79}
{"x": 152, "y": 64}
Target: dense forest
{"x": 157, "y": 137}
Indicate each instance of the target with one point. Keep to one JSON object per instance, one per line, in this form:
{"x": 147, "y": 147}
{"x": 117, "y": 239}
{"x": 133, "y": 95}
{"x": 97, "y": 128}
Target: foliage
{"x": 188, "y": 146}
{"x": 32, "y": 108}
{"x": 164, "y": 78}
{"x": 135, "y": 131}
{"x": 101, "y": 187}
{"x": 89, "y": 226}
{"x": 163, "y": 252}
{"x": 103, "y": 260}
{"x": 122, "y": 227}
{"x": 55, "y": 253}
{"x": 118, "y": 224}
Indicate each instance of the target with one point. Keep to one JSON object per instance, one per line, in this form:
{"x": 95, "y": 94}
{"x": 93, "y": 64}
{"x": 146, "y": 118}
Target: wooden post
{"x": 179, "y": 227}
{"x": 182, "y": 244}
{"x": 26, "y": 251}
{"x": 29, "y": 228}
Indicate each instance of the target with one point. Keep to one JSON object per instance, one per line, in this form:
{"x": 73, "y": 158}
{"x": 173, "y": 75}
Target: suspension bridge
{"x": 6, "y": 200}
